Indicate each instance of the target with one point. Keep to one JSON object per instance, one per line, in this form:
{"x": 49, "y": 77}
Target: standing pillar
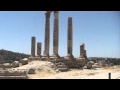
{"x": 39, "y": 48}
{"x": 69, "y": 39}
{"x": 38, "y": 51}
{"x": 82, "y": 58}
{"x": 82, "y": 50}
{"x": 85, "y": 55}
{"x": 33, "y": 40}
{"x": 55, "y": 36}
{"x": 47, "y": 36}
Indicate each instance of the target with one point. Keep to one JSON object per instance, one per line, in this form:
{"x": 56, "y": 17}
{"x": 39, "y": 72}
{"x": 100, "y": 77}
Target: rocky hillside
{"x": 9, "y": 56}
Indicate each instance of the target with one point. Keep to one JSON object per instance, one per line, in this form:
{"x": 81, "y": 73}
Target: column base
{"x": 45, "y": 57}
{"x": 83, "y": 57}
{"x": 82, "y": 61}
{"x": 37, "y": 57}
{"x": 54, "y": 56}
{"x": 31, "y": 58}
{"x": 69, "y": 57}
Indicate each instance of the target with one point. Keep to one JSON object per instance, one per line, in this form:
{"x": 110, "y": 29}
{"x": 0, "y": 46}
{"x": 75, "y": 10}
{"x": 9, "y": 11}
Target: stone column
{"x": 85, "y": 55}
{"x": 69, "y": 39}
{"x": 38, "y": 51}
{"x": 39, "y": 48}
{"x": 82, "y": 58}
{"x": 55, "y": 36}
{"x": 33, "y": 41}
{"x": 82, "y": 50}
{"x": 47, "y": 35}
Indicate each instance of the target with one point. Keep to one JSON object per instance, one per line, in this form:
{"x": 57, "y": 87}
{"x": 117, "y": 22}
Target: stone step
{"x": 63, "y": 69}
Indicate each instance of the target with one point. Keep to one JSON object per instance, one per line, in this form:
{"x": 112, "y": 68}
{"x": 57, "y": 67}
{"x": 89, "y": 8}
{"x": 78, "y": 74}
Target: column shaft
{"x": 39, "y": 49}
{"x": 47, "y": 34}
{"x": 33, "y": 40}
{"x": 82, "y": 50}
{"x": 55, "y": 33}
{"x": 69, "y": 38}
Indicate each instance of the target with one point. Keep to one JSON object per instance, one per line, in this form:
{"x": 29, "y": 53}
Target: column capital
{"x": 56, "y": 11}
{"x": 47, "y": 15}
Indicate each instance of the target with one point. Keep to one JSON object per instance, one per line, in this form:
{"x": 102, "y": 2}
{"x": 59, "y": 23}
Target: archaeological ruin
{"x": 69, "y": 59}
{"x": 10, "y": 70}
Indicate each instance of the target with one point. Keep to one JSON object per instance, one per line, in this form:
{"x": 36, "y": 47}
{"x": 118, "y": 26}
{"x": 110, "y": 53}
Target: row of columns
{"x": 55, "y": 35}
{"x": 56, "y": 39}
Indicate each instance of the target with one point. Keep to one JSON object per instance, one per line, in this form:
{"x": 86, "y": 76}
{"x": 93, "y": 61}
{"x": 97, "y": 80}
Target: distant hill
{"x": 9, "y": 56}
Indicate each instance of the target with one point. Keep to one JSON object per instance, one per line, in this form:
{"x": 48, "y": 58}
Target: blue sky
{"x": 99, "y": 30}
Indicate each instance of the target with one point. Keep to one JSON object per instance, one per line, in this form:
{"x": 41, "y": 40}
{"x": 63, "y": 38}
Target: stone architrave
{"x": 69, "y": 40}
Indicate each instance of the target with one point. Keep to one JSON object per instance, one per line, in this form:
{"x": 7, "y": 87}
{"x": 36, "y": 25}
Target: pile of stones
{"x": 61, "y": 66}
{"x": 8, "y": 71}
{"x": 100, "y": 64}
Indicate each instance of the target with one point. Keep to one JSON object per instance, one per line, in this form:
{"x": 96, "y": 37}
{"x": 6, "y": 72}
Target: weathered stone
{"x": 15, "y": 64}
{"x": 7, "y": 65}
{"x": 31, "y": 71}
{"x": 96, "y": 65}
{"x": 55, "y": 36}
{"x": 23, "y": 73}
{"x": 2, "y": 73}
{"x": 82, "y": 62}
{"x": 24, "y": 61}
{"x": 82, "y": 50}
{"x": 33, "y": 41}
{"x": 39, "y": 49}
{"x": 85, "y": 55}
{"x": 1, "y": 65}
{"x": 85, "y": 67}
{"x": 61, "y": 66}
{"x": 89, "y": 65}
{"x": 16, "y": 73}
{"x": 47, "y": 36}
{"x": 69, "y": 40}
{"x": 31, "y": 58}
{"x": 13, "y": 74}
{"x": 8, "y": 73}
{"x": 92, "y": 63}
{"x": 102, "y": 63}
{"x": 63, "y": 69}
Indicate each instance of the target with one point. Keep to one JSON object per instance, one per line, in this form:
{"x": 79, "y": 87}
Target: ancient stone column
{"x": 82, "y": 50}
{"x": 33, "y": 41}
{"x": 47, "y": 35}
{"x": 85, "y": 55}
{"x": 69, "y": 39}
{"x": 39, "y": 48}
{"x": 55, "y": 35}
{"x": 82, "y": 58}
